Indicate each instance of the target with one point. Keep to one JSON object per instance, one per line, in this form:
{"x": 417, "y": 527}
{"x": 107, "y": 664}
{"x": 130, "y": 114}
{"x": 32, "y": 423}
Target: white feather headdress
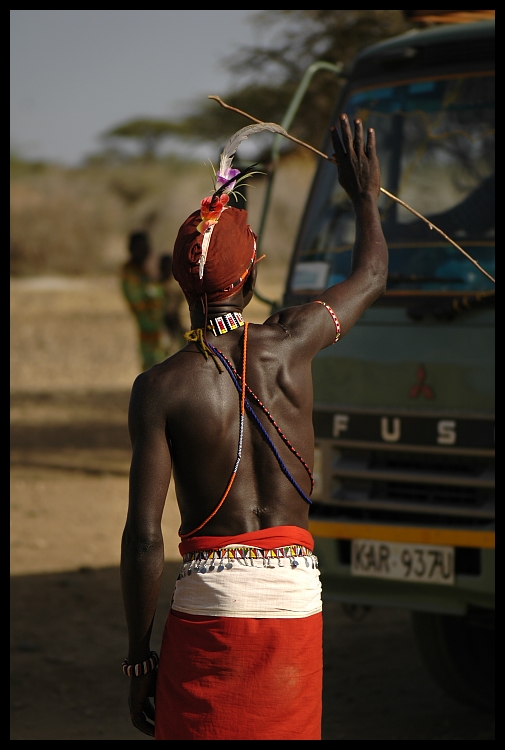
{"x": 225, "y": 182}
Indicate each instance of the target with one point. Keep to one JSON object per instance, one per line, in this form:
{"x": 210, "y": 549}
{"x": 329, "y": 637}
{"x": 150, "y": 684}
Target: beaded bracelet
{"x": 335, "y": 319}
{"x": 143, "y": 667}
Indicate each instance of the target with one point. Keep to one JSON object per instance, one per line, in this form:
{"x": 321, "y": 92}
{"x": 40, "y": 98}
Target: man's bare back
{"x": 185, "y": 414}
{"x": 200, "y": 407}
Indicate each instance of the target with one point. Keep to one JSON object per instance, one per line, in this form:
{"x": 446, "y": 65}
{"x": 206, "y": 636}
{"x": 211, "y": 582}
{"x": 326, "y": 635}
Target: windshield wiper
{"x": 449, "y": 308}
{"x": 415, "y": 278}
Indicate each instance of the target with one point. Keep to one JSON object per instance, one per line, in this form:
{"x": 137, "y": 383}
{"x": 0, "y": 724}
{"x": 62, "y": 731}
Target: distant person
{"x": 174, "y": 299}
{"x": 145, "y": 296}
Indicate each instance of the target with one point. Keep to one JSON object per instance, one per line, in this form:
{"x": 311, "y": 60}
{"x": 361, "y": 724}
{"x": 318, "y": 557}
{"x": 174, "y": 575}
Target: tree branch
{"x": 390, "y": 195}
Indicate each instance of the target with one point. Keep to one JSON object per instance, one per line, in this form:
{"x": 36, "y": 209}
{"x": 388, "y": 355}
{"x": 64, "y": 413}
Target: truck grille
{"x": 404, "y": 486}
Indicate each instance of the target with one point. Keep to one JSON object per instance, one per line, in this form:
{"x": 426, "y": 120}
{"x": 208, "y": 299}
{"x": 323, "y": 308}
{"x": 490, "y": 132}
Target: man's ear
{"x": 248, "y": 288}
{"x": 250, "y": 282}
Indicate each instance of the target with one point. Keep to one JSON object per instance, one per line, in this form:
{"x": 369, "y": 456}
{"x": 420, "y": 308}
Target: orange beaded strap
{"x": 240, "y": 442}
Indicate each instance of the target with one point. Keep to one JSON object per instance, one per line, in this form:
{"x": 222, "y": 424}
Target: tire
{"x": 459, "y": 654}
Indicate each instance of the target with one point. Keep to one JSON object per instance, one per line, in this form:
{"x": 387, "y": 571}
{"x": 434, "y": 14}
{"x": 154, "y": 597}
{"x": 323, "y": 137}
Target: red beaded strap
{"x": 143, "y": 667}
{"x": 272, "y": 421}
{"x": 335, "y": 319}
{"x": 240, "y": 443}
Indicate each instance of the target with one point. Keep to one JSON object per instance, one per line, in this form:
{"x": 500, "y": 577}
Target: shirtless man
{"x": 241, "y": 653}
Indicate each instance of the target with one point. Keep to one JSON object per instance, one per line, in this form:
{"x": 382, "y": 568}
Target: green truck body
{"x": 403, "y": 504}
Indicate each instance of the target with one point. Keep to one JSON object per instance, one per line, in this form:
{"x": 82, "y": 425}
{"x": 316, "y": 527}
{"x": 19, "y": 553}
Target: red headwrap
{"x": 231, "y": 256}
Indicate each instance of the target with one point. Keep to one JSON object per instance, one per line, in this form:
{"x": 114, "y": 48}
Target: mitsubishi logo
{"x": 420, "y": 387}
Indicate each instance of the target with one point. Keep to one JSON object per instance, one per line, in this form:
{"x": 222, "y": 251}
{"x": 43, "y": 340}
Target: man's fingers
{"x": 346, "y": 133}
{"x": 337, "y": 143}
{"x": 149, "y": 710}
{"x": 344, "y": 142}
{"x": 140, "y": 723}
{"x": 358, "y": 136}
{"x": 370, "y": 142}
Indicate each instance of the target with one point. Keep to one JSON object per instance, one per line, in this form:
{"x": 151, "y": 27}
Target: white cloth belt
{"x": 276, "y": 586}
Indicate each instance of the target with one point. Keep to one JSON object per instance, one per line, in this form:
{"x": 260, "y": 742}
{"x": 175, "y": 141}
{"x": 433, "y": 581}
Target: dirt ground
{"x": 73, "y": 359}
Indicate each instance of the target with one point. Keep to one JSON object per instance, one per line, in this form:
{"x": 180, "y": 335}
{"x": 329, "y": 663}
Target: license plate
{"x": 418, "y": 563}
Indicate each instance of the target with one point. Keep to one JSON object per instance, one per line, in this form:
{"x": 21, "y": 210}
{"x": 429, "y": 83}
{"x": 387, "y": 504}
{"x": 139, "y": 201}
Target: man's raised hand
{"x": 357, "y": 163}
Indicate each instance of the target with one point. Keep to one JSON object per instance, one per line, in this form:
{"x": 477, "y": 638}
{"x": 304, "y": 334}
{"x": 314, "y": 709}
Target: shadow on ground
{"x": 68, "y": 639}
{"x": 70, "y": 457}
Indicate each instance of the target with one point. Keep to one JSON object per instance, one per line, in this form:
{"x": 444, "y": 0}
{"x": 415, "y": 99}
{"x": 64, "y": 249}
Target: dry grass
{"x": 78, "y": 335}
{"x": 76, "y": 221}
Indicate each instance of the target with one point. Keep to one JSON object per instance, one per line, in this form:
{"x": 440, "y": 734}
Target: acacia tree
{"x": 267, "y": 76}
{"x": 146, "y": 133}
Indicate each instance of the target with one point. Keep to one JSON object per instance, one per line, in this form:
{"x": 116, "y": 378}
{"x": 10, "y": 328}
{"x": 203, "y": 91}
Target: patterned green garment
{"x": 146, "y": 299}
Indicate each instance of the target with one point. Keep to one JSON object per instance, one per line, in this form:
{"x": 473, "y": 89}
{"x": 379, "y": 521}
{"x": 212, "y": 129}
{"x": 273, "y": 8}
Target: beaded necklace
{"x": 225, "y": 323}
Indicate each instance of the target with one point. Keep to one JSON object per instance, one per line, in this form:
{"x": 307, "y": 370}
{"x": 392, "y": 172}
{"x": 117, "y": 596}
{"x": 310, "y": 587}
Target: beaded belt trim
{"x": 219, "y": 559}
{"x": 226, "y": 323}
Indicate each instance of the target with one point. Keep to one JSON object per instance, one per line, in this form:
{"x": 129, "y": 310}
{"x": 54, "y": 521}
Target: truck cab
{"x": 403, "y": 504}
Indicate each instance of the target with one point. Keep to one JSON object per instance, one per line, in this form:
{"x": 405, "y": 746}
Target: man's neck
{"x": 215, "y": 311}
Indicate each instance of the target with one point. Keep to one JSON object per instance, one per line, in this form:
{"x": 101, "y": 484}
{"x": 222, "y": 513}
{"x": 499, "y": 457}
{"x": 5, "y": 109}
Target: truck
{"x": 403, "y": 511}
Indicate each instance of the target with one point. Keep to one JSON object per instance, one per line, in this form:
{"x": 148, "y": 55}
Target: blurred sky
{"x": 77, "y": 73}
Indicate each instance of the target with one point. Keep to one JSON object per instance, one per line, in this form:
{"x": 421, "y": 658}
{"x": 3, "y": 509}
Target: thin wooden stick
{"x": 390, "y": 195}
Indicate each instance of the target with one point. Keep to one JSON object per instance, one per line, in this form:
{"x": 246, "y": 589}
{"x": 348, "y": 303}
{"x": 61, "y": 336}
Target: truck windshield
{"x": 435, "y": 141}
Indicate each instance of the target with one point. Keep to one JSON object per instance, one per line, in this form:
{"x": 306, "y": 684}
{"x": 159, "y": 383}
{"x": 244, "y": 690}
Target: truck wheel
{"x": 459, "y": 654}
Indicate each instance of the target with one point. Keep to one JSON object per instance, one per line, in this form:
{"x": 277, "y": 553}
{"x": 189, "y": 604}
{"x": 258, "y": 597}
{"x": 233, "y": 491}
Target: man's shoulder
{"x": 164, "y": 370}
{"x": 158, "y": 384}
{"x": 300, "y": 328}
{"x": 285, "y": 322}
{"x": 270, "y": 331}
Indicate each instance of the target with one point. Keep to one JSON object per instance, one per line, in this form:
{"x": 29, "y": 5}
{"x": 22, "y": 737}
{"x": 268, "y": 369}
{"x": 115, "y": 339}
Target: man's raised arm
{"x": 359, "y": 175}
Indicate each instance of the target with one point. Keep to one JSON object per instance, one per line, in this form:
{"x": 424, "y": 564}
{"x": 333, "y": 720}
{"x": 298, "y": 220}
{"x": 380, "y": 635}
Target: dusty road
{"x": 73, "y": 358}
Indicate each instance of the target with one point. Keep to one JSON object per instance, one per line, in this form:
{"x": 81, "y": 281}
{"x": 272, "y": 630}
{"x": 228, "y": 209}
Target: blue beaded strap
{"x": 272, "y": 421}
{"x": 251, "y": 411}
